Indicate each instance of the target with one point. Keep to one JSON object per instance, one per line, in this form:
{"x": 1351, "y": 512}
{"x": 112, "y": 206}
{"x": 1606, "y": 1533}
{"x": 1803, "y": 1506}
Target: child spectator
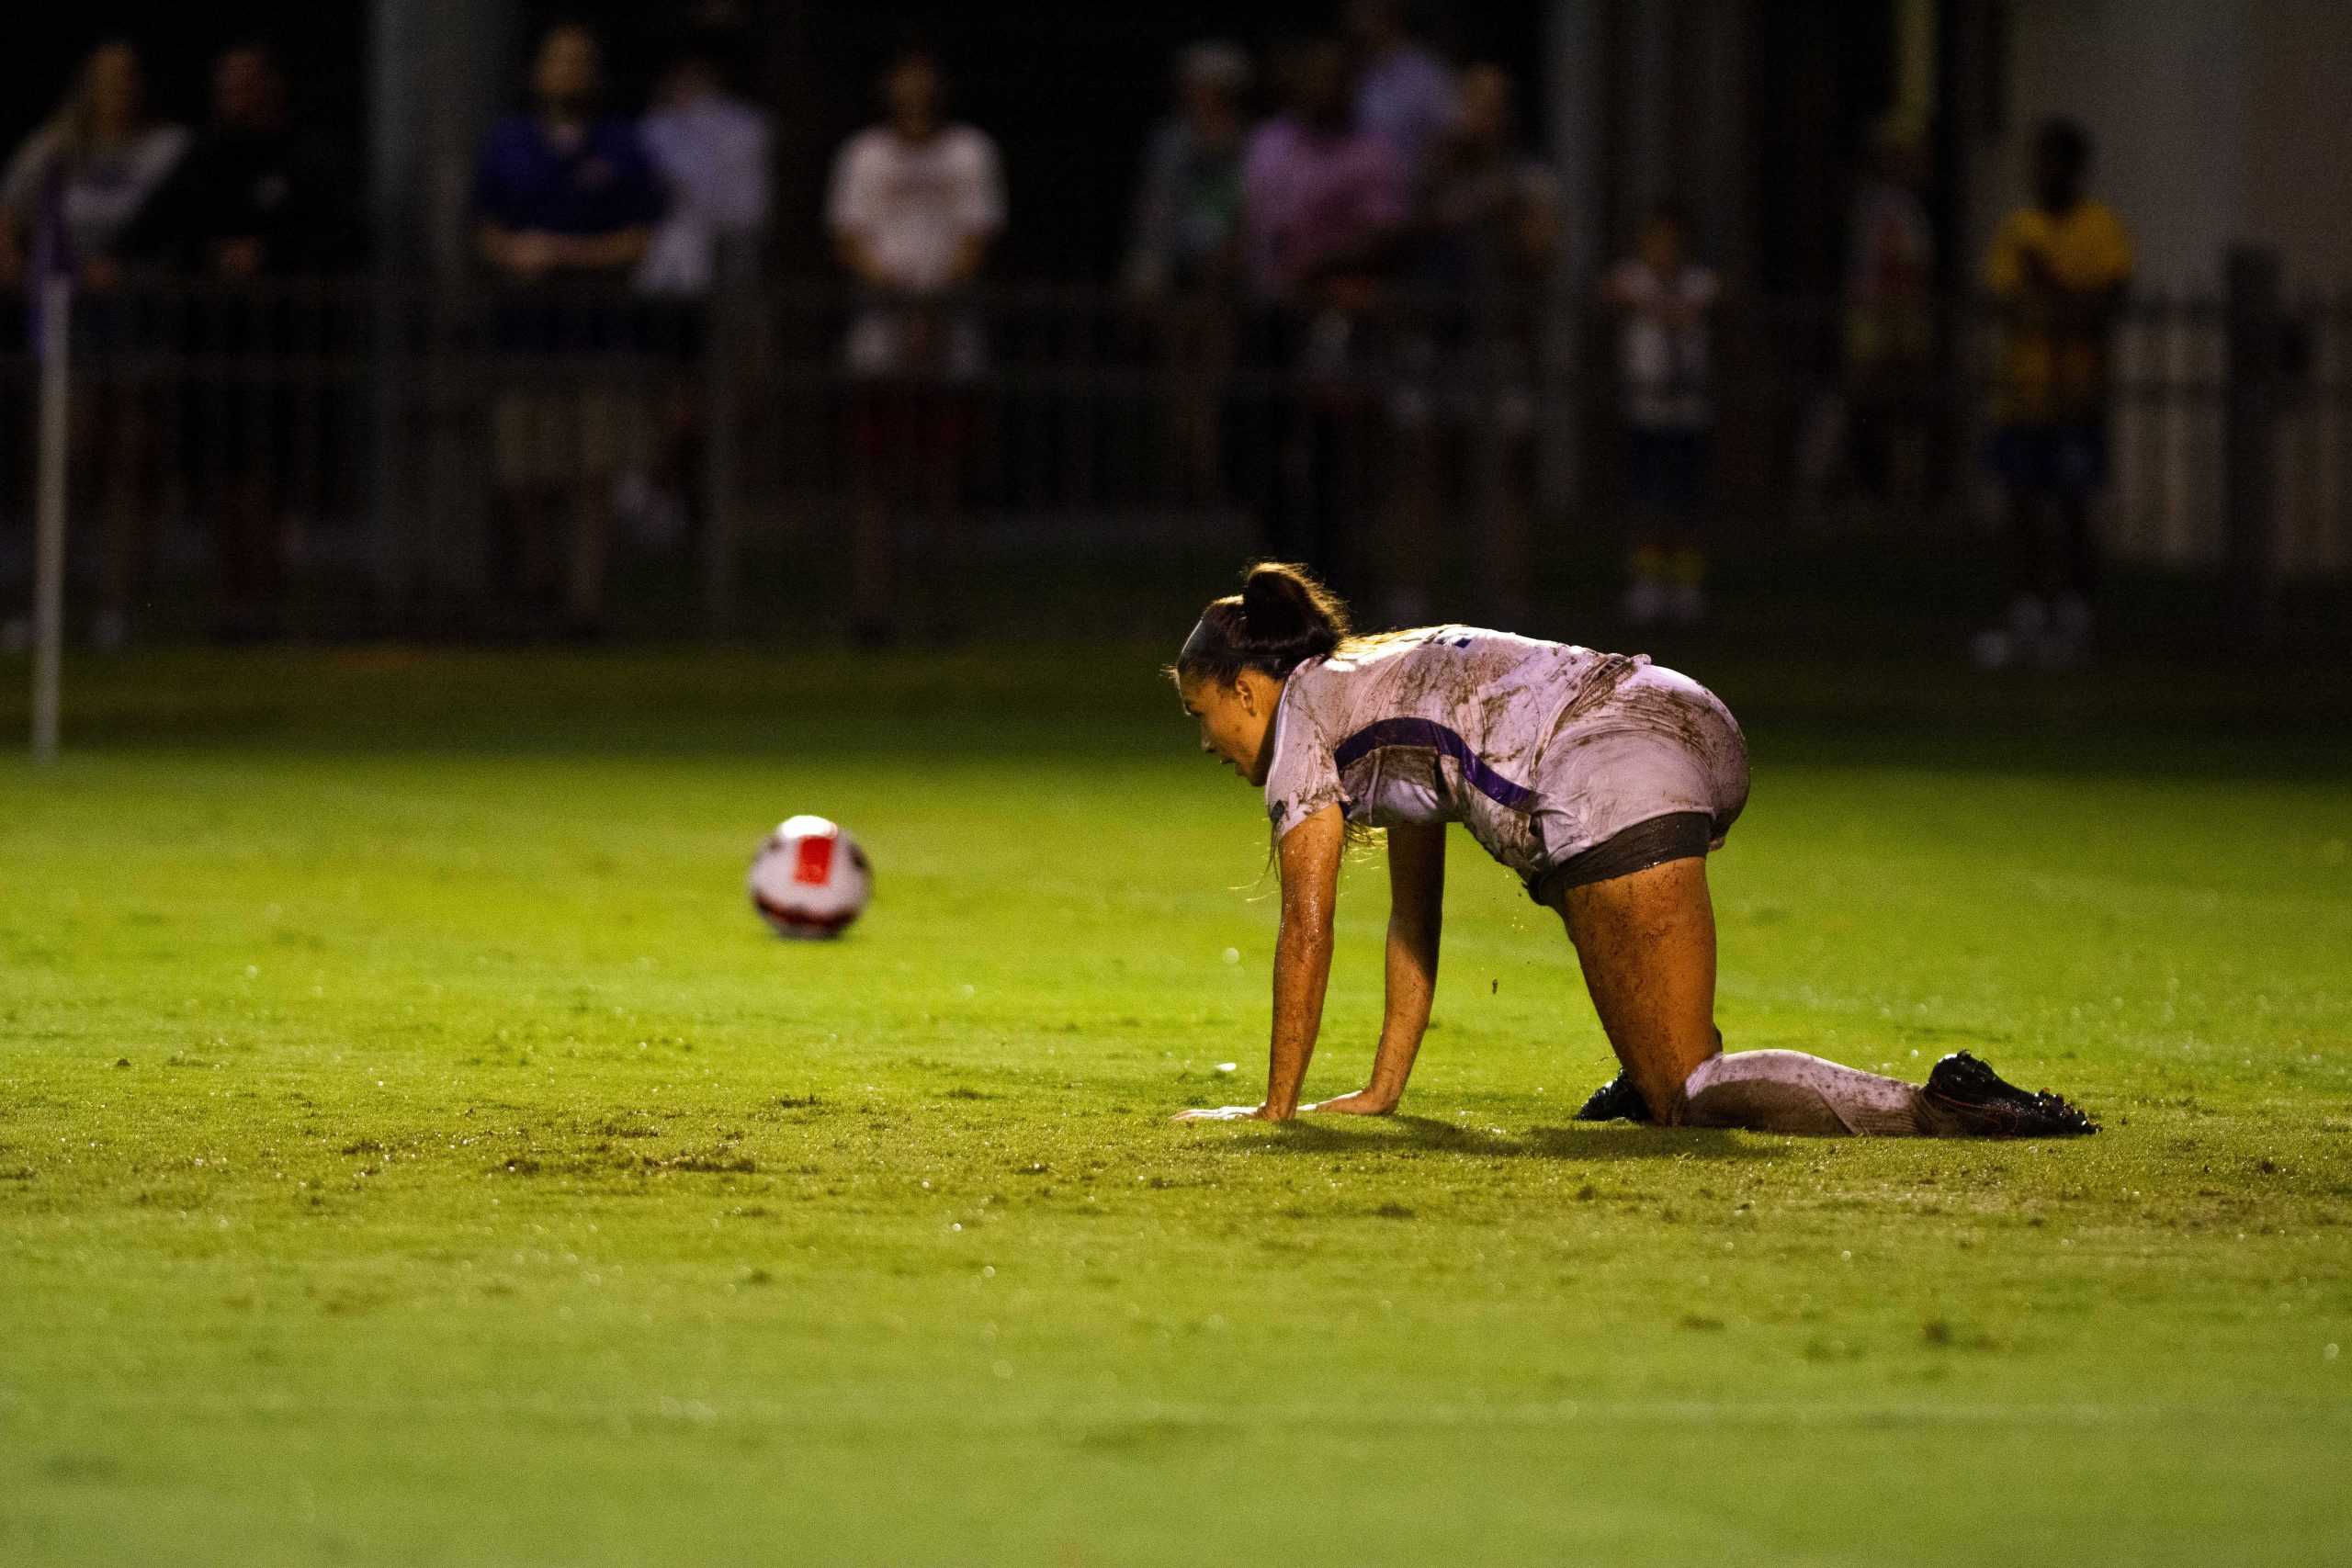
{"x": 1663, "y": 300}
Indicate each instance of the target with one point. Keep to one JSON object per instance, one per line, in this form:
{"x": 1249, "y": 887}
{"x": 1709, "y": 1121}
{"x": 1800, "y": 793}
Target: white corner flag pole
{"x": 54, "y": 328}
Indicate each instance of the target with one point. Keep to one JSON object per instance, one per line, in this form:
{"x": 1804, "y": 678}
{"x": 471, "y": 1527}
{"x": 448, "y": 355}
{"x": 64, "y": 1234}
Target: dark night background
{"x": 1068, "y": 92}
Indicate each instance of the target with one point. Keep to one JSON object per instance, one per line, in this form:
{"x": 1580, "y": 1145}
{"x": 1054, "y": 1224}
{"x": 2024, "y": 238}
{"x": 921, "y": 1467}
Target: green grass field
{"x": 411, "y": 1149}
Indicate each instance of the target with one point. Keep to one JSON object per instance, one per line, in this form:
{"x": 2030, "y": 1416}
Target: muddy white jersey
{"x": 1445, "y": 724}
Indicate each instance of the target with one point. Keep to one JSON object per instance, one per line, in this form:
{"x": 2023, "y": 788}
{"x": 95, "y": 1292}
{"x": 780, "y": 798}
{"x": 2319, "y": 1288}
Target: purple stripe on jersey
{"x": 1429, "y": 736}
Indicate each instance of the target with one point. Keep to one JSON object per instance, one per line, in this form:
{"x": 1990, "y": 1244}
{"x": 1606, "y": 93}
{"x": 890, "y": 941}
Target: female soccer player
{"x": 1601, "y": 779}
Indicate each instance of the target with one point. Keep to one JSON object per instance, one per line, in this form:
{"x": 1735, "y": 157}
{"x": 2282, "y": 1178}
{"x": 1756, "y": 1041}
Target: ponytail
{"x": 1281, "y": 618}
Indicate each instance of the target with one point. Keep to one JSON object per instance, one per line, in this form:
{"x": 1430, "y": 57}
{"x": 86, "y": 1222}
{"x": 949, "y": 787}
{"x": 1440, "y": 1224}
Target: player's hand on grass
{"x": 1363, "y": 1102}
{"x": 1225, "y": 1113}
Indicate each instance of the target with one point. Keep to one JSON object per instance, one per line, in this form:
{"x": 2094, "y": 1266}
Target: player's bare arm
{"x": 1310, "y": 874}
{"x": 1416, "y": 921}
{"x": 1310, "y": 869}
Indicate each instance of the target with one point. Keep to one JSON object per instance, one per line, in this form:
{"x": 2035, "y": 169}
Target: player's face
{"x": 1235, "y": 720}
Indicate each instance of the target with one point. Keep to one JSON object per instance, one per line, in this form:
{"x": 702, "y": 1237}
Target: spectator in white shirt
{"x": 94, "y": 166}
{"x": 107, "y": 157}
{"x": 915, "y": 203}
{"x": 1664, "y": 300}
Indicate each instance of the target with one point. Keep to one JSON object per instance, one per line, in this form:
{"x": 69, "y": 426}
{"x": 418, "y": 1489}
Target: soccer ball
{"x": 809, "y": 879}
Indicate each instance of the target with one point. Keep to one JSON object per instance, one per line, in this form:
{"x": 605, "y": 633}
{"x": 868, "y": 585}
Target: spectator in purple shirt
{"x": 562, "y": 187}
{"x": 565, "y": 200}
{"x": 1323, "y": 208}
{"x": 1404, "y": 94}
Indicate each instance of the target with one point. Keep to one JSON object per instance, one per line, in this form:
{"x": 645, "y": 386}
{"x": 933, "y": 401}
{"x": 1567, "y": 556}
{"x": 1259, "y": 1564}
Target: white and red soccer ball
{"x": 809, "y": 879}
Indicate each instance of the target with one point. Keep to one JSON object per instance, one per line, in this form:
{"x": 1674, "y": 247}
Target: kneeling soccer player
{"x": 1601, "y": 779}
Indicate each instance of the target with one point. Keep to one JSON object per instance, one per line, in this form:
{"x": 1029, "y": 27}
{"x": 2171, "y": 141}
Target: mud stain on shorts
{"x": 1601, "y": 682}
{"x": 1686, "y": 718}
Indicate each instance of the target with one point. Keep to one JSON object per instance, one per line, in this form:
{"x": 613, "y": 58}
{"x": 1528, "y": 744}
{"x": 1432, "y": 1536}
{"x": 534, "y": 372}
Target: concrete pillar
{"x": 438, "y": 71}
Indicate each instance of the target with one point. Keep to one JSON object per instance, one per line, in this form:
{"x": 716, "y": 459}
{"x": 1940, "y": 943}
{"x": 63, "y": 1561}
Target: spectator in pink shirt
{"x": 1322, "y": 201}
{"x": 1324, "y": 207}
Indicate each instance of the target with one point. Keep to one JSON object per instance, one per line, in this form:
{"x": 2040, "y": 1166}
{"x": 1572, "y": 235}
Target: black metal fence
{"x": 412, "y": 456}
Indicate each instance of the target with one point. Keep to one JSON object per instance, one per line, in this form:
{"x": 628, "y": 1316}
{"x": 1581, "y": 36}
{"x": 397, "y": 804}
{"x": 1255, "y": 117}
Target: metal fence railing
{"x": 418, "y": 448}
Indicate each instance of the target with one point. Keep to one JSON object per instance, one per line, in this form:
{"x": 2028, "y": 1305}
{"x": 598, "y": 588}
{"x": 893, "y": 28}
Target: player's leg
{"x": 1646, "y": 942}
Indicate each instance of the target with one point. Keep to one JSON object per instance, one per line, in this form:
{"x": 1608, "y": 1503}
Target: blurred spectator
{"x": 710, "y": 150}
{"x": 1874, "y": 429}
{"x": 107, "y": 157}
{"x": 1489, "y": 213}
{"x": 2058, "y": 268}
{"x": 565, "y": 200}
{"x": 914, "y": 205}
{"x": 1188, "y": 210}
{"x": 1323, "y": 203}
{"x": 1182, "y": 255}
{"x": 254, "y": 197}
{"x": 1487, "y": 233}
{"x": 1404, "y": 94}
{"x": 1324, "y": 206}
{"x": 96, "y": 162}
{"x": 1663, "y": 299}
{"x": 253, "y": 200}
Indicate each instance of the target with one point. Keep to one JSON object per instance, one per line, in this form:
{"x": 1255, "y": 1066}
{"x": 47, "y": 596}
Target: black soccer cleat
{"x": 1616, "y": 1101}
{"x": 1981, "y": 1104}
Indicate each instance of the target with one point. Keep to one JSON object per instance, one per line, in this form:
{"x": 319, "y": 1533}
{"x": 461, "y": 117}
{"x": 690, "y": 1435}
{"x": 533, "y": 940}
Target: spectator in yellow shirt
{"x": 2058, "y": 269}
